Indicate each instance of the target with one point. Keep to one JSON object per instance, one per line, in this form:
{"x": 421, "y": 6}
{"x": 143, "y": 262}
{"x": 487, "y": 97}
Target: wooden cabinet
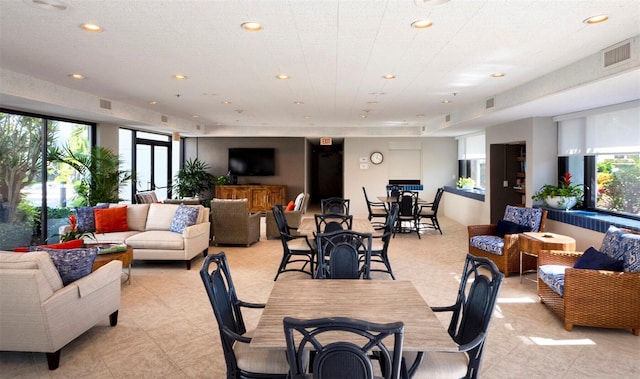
{"x": 261, "y": 197}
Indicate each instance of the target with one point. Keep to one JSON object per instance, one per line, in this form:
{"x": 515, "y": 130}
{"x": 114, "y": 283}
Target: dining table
{"x": 379, "y": 301}
{"x": 360, "y": 224}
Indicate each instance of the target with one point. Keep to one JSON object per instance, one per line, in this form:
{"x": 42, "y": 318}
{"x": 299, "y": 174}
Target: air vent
{"x": 198, "y": 127}
{"x": 490, "y": 103}
{"x": 105, "y": 104}
{"x": 447, "y": 118}
{"x": 164, "y": 118}
{"x": 617, "y": 54}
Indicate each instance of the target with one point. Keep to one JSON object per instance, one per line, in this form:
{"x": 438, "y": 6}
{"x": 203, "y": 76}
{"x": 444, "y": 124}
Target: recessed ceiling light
{"x": 76, "y": 76}
{"x": 91, "y": 28}
{"x": 282, "y": 77}
{"x": 180, "y": 77}
{"x": 298, "y": 102}
{"x": 153, "y": 102}
{"x": 446, "y": 101}
{"x": 596, "y": 19}
{"x": 226, "y": 102}
{"x": 421, "y": 24}
{"x": 497, "y": 75}
{"x": 52, "y": 5}
{"x": 194, "y": 116}
{"x": 251, "y": 26}
{"x": 388, "y": 76}
{"x": 364, "y": 116}
{"x": 307, "y": 116}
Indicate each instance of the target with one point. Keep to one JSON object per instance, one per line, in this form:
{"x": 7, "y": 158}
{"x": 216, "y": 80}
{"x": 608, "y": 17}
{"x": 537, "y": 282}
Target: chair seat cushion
{"x": 492, "y": 244}
{"x": 553, "y": 276}
{"x": 264, "y": 361}
{"x": 298, "y": 244}
{"x": 437, "y": 365}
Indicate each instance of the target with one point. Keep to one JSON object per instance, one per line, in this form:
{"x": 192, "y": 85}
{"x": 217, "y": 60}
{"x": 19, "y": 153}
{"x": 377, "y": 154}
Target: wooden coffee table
{"x": 125, "y": 256}
{"x": 531, "y": 243}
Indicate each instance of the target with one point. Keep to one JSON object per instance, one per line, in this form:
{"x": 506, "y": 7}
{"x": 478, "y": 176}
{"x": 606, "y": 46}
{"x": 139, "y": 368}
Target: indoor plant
{"x": 563, "y": 196}
{"x": 465, "y": 183}
{"x": 193, "y": 179}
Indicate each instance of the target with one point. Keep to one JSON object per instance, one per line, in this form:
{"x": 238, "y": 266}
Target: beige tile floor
{"x": 166, "y": 328}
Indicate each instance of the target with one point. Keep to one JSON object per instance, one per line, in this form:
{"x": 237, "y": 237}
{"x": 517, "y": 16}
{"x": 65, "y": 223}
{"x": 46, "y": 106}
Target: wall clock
{"x": 376, "y": 157}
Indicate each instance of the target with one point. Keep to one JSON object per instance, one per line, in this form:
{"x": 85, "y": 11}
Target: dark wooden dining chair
{"x": 470, "y": 318}
{"x": 380, "y": 244}
{"x": 335, "y": 205}
{"x": 241, "y": 360}
{"x": 332, "y": 222}
{"x": 408, "y": 213}
{"x": 339, "y": 255}
{"x": 350, "y": 356}
{"x": 296, "y": 248}
{"x": 428, "y": 213}
{"x": 377, "y": 210}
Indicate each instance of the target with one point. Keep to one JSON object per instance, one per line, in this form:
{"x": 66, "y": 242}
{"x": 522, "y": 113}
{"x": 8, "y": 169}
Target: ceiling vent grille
{"x": 490, "y": 103}
{"x": 105, "y": 104}
{"x": 164, "y": 118}
{"x": 447, "y": 118}
{"x": 617, "y": 54}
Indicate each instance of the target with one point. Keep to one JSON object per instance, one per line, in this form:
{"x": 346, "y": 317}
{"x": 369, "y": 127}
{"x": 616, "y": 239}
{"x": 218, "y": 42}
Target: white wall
{"x": 107, "y": 136}
{"x": 463, "y": 210}
{"x": 438, "y": 167}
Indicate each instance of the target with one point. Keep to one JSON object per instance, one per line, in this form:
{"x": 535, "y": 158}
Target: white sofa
{"x": 150, "y": 237}
{"x": 39, "y": 314}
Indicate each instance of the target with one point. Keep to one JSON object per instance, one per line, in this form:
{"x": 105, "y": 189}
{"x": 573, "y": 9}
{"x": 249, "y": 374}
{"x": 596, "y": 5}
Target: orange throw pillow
{"x": 74, "y": 244}
{"x": 290, "y": 206}
{"x": 111, "y": 220}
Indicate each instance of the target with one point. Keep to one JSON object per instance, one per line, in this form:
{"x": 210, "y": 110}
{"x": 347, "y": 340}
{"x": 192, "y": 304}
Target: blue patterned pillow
{"x": 530, "y": 217}
{"x": 611, "y": 243}
{"x": 630, "y": 246}
{"x": 184, "y": 217}
{"x": 86, "y": 221}
{"x": 72, "y": 264}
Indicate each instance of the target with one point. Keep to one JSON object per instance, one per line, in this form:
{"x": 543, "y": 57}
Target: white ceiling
{"x": 335, "y": 52}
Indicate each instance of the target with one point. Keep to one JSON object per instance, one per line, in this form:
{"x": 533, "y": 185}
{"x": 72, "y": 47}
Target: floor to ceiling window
{"x": 36, "y": 197}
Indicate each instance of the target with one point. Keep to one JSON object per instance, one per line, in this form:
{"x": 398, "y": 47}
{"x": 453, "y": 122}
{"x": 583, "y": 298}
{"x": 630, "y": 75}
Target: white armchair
{"x": 39, "y": 314}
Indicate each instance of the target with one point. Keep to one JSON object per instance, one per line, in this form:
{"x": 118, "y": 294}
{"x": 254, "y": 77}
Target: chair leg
{"x": 113, "y": 318}
{"x": 53, "y": 359}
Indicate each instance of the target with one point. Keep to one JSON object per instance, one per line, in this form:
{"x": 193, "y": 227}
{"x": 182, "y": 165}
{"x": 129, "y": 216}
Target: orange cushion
{"x": 74, "y": 244}
{"x": 111, "y": 220}
{"x": 290, "y": 206}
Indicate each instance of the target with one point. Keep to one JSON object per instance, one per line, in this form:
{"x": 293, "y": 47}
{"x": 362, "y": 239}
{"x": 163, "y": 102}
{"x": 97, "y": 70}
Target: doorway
{"x": 153, "y": 165}
{"x": 327, "y": 164}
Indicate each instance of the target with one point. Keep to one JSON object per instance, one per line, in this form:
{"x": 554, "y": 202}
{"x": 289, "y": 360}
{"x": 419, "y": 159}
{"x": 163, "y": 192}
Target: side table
{"x": 125, "y": 256}
{"x": 531, "y": 243}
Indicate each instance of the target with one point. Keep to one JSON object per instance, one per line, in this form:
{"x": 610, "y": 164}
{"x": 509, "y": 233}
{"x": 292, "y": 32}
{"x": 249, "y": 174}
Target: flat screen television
{"x": 252, "y": 161}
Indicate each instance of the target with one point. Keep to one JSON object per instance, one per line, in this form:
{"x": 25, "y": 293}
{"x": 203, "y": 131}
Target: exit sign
{"x": 325, "y": 141}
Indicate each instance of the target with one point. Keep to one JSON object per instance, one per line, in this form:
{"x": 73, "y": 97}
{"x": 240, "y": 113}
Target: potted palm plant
{"x": 193, "y": 179}
{"x": 563, "y": 196}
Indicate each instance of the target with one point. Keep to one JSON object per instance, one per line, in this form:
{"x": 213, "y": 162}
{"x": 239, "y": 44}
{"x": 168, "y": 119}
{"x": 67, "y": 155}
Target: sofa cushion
{"x": 492, "y": 244}
{"x": 86, "y": 218}
{"x": 291, "y": 206}
{"x": 111, "y": 220}
{"x": 592, "y": 259}
{"x": 630, "y": 246}
{"x": 184, "y": 217}
{"x": 72, "y": 264}
{"x": 553, "y": 276}
{"x": 156, "y": 240}
{"x": 160, "y": 216}
{"x": 524, "y": 216}
{"x": 611, "y": 243}
{"x": 137, "y": 216}
{"x": 114, "y": 237}
{"x": 299, "y": 202}
{"x": 33, "y": 260}
{"x": 508, "y": 227}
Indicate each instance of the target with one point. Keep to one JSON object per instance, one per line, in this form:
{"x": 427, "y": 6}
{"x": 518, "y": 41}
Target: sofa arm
{"x": 196, "y": 230}
{"x": 481, "y": 230}
{"x": 558, "y": 257}
{"x": 99, "y": 278}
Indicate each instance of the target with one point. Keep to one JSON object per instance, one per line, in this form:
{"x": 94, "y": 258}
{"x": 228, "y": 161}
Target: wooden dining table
{"x": 360, "y": 224}
{"x": 380, "y": 301}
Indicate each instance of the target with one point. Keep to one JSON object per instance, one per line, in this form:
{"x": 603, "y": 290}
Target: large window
{"x": 604, "y": 144}
{"x": 36, "y": 197}
{"x": 472, "y": 159}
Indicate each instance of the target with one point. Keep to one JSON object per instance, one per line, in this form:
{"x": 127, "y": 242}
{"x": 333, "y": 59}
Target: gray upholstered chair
{"x": 40, "y": 314}
{"x": 293, "y": 217}
{"x": 233, "y": 224}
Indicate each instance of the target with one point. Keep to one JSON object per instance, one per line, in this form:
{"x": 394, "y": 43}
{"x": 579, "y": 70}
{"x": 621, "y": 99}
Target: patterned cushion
{"x": 553, "y": 276}
{"x": 492, "y": 244}
{"x": 630, "y": 246}
{"x": 611, "y": 243}
{"x": 72, "y": 264}
{"x": 86, "y": 219}
{"x": 530, "y": 217}
{"x": 184, "y": 216}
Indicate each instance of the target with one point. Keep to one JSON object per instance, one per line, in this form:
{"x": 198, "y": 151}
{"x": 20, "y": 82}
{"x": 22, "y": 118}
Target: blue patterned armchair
{"x": 504, "y": 251}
